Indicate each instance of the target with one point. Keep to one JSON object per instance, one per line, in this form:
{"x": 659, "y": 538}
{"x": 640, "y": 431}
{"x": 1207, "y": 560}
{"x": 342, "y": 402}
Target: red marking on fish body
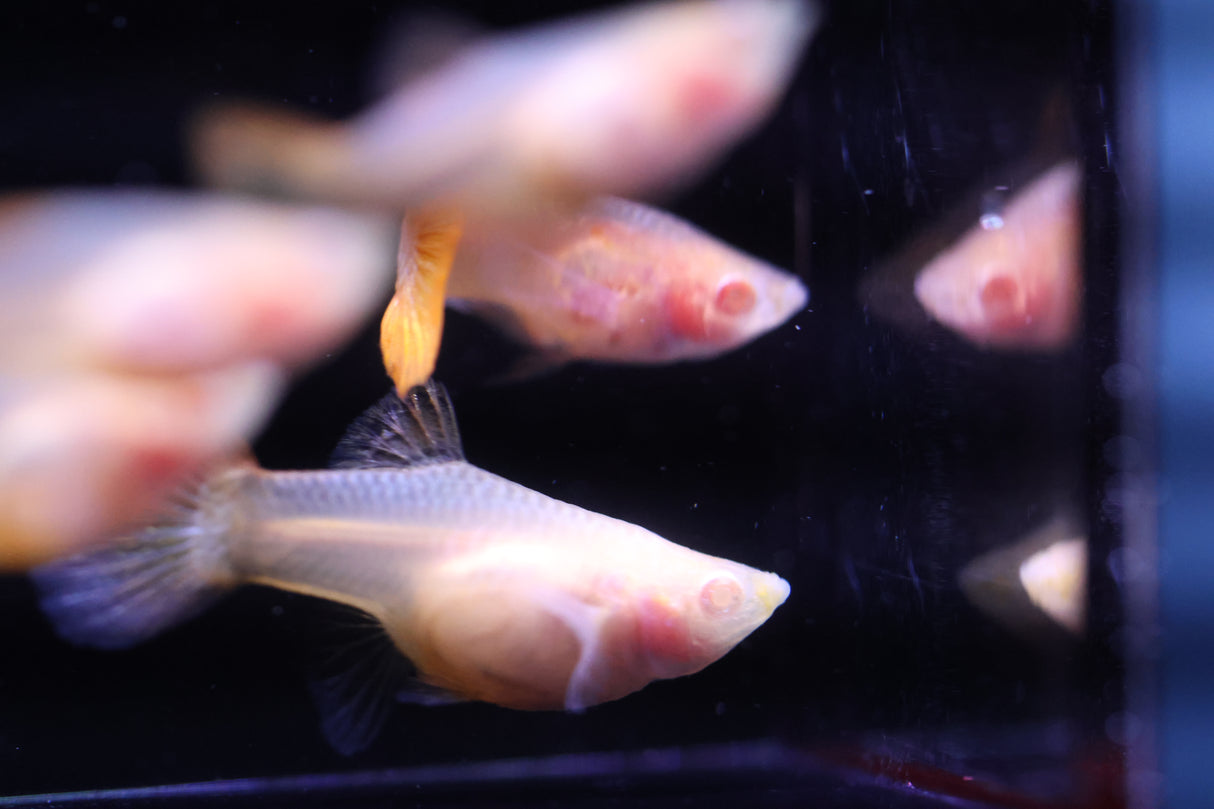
{"x": 273, "y": 318}
{"x": 662, "y": 631}
{"x": 685, "y": 309}
{"x": 1003, "y": 302}
{"x": 701, "y": 97}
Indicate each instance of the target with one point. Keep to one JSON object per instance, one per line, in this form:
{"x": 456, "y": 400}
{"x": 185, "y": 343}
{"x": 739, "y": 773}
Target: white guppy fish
{"x": 622, "y": 282}
{"x": 628, "y": 101}
{"x": 494, "y": 592}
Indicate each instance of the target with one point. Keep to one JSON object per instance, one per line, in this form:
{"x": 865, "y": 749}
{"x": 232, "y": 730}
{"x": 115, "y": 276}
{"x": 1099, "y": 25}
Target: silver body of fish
{"x": 493, "y": 591}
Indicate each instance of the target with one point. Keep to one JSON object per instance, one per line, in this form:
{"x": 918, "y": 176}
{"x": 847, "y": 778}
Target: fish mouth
{"x": 796, "y": 296}
{"x": 771, "y": 593}
{"x": 789, "y": 295}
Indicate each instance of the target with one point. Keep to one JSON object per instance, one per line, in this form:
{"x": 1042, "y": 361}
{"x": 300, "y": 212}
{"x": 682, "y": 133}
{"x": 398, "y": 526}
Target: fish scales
{"x": 492, "y": 591}
{"x": 353, "y": 535}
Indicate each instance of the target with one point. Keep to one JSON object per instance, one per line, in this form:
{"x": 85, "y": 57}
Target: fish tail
{"x": 412, "y": 326}
{"x": 268, "y": 151}
{"x": 158, "y": 576}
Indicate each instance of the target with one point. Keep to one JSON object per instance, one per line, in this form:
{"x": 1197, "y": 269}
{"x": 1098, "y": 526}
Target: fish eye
{"x": 1002, "y": 298}
{"x": 736, "y": 297}
{"x": 721, "y": 595}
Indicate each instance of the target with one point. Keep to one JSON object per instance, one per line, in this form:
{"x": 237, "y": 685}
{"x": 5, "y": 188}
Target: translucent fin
{"x": 121, "y": 595}
{"x": 419, "y": 692}
{"x": 585, "y": 687}
{"x": 356, "y": 688}
{"x": 531, "y": 365}
{"x": 412, "y": 327}
{"x": 263, "y": 150}
{"x": 394, "y": 432}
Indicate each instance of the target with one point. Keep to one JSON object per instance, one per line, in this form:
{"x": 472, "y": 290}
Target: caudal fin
{"x": 275, "y": 152}
{"x": 412, "y": 326}
{"x": 123, "y": 594}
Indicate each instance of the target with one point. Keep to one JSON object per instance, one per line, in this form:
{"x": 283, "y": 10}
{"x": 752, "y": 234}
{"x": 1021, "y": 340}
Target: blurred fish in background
{"x": 521, "y": 132}
{"x": 629, "y": 101}
{"x": 142, "y": 333}
{"x": 1037, "y": 584}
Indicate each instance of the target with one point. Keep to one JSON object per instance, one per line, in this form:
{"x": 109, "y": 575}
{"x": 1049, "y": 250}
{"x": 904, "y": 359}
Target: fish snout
{"x": 771, "y": 592}
{"x": 782, "y": 295}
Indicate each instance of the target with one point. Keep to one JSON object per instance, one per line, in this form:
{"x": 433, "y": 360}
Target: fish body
{"x": 620, "y": 282}
{"x": 493, "y": 591}
{"x": 1039, "y": 581}
{"x": 1013, "y": 281}
{"x": 625, "y": 101}
{"x": 1055, "y": 579}
{"x": 143, "y": 333}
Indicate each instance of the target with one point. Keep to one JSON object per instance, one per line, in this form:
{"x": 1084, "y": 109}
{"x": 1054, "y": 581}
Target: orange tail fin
{"x": 412, "y": 328}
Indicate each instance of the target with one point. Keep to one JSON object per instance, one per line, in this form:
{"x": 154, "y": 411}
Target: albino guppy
{"x": 143, "y": 333}
{"x": 609, "y": 281}
{"x": 620, "y": 282}
{"x": 1014, "y": 280}
{"x": 626, "y": 101}
{"x": 1038, "y": 580}
{"x": 493, "y": 591}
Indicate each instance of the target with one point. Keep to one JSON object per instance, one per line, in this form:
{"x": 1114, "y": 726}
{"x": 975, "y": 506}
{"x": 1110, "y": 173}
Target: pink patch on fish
{"x": 1003, "y": 302}
{"x": 685, "y": 309}
{"x": 662, "y": 630}
{"x": 702, "y": 98}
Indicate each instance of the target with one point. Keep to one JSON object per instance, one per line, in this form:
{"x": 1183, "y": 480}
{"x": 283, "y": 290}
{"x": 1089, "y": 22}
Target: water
{"x": 864, "y": 460}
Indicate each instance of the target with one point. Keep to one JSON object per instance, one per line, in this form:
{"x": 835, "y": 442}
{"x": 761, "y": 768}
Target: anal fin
{"x": 355, "y": 688}
{"x": 531, "y": 365}
{"x": 419, "y": 692}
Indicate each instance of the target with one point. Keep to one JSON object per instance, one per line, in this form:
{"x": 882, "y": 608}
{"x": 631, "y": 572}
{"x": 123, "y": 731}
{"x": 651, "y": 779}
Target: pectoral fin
{"x": 586, "y": 622}
{"x": 530, "y": 365}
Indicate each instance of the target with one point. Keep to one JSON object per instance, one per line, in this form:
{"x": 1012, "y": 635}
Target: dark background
{"x": 864, "y": 462}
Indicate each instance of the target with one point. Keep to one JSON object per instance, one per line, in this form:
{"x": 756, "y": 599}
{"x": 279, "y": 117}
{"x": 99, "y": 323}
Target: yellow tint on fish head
{"x": 719, "y": 607}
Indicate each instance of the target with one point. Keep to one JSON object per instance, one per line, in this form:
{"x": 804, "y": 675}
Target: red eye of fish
{"x": 1003, "y": 301}
{"x": 721, "y": 596}
{"x": 736, "y": 297}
